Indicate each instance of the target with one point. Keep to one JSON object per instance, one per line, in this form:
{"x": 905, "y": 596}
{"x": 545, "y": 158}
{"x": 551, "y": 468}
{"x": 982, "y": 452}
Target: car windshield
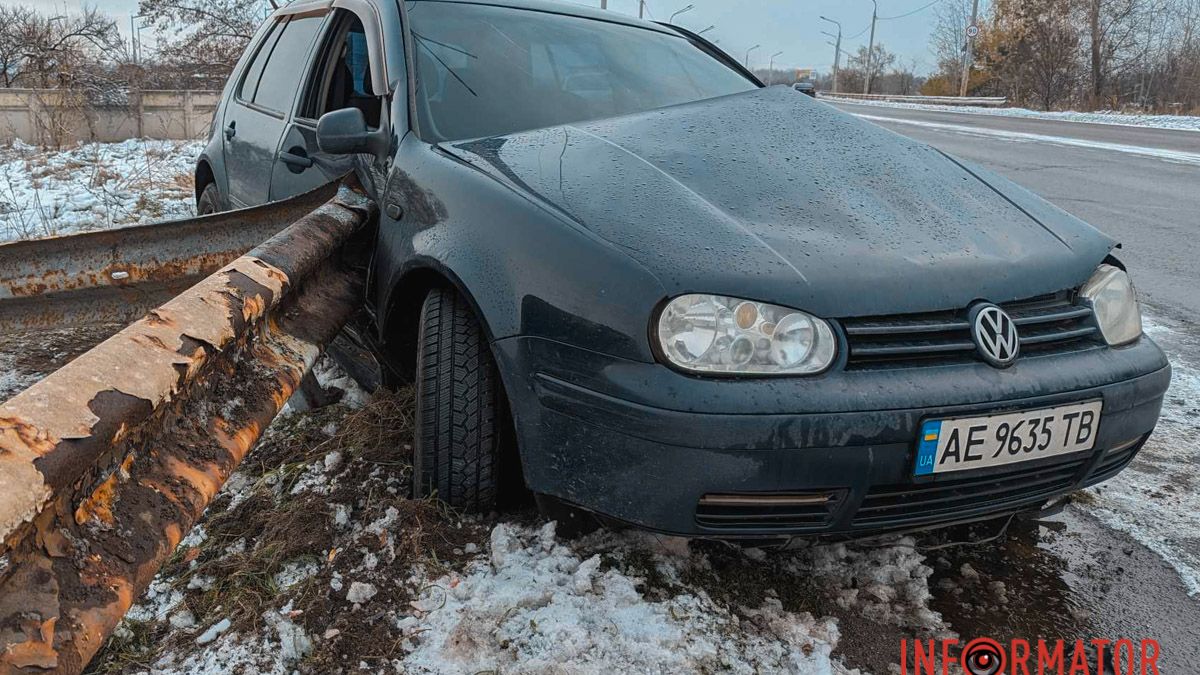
{"x": 486, "y": 70}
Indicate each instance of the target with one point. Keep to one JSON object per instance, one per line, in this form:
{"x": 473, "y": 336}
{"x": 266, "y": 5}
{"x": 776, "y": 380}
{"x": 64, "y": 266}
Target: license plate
{"x": 979, "y": 442}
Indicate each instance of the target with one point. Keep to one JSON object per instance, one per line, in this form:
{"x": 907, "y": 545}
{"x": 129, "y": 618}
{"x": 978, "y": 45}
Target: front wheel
{"x": 209, "y": 202}
{"x": 460, "y": 407}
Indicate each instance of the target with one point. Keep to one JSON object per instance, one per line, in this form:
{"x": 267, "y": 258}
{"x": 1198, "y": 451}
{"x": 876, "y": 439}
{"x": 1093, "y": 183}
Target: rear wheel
{"x": 210, "y": 200}
{"x": 460, "y": 407}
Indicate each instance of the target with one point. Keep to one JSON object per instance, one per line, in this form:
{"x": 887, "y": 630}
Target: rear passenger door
{"x": 258, "y": 114}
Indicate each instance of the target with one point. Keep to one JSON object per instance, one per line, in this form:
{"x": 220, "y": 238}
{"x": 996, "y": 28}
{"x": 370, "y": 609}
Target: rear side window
{"x": 281, "y": 75}
{"x": 254, "y": 72}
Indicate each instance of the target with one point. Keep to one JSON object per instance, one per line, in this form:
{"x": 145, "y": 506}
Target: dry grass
{"x": 247, "y": 546}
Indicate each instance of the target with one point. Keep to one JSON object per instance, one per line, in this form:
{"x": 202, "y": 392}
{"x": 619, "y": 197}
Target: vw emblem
{"x": 995, "y": 335}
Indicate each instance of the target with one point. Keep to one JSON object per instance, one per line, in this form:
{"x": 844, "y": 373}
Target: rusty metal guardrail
{"x": 109, "y": 461}
{"x": 121, "y": 274}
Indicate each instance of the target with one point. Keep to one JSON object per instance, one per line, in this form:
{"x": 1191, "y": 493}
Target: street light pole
{"x": 747, "y": 62}
{"x": 706, "y": 30}
{"x": 677, "y": 13}
{"x": 871, "y": 47}
{"x": 771, "y": 69}
{"x": 603, "y": 4}
{"x": 969, "y": 57}
{"x": 641, "y": 9}
{"x": 837, "y": 52}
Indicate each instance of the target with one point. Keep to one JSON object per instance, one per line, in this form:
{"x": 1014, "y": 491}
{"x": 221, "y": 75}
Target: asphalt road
{"x": 1139, "y": 185}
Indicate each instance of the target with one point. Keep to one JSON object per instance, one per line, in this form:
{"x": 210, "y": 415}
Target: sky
{"x": 789, "y": 26}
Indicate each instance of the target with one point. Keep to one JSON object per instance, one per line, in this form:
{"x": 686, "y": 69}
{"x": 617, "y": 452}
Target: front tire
{"x": 209, "y": 201}
{"x": 459, "y": 407}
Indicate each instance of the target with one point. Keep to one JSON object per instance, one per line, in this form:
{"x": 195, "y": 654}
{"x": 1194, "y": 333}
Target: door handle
{"x": 292, "y": 159}
{"x": 231, "y": 131}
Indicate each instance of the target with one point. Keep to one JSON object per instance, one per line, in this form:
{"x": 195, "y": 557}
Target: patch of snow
{"x": 330, "y": 374}
{"x": 157, "y": 603}
{"x": 1155, "y": 499}
{"x": 295, "y": 572}
{"x": 535, "y": 605}
{"x": 275, "y": 651}
{"x": 360, "y": 592}
{"x": 214, "y": 631}
{"x": 194, "y": 538}
{"x": 312, "y": 480}
{"x": 1173, "y": 122}
{"x": 12, "y": 381}
{"x": 46, "y": 193}
{"x": 1173, "y": 156}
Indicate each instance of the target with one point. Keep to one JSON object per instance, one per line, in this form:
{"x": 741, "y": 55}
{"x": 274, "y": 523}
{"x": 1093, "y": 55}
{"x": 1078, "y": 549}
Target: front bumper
{"x": 833, "y": 455}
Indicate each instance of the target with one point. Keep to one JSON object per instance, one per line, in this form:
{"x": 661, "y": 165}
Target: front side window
{"x": 281, "y": 75}
{"x": 344, "y": 79}
{"x": 486, "y": 70}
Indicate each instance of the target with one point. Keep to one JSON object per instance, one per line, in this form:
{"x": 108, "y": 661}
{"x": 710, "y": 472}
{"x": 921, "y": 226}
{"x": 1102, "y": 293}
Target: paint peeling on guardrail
{"x": 108, "y": 462}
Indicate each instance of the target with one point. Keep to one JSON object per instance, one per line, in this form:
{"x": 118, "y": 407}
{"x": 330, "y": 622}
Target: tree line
{"x": 1081, "y": 54}
{"x": 1089, "y": 54}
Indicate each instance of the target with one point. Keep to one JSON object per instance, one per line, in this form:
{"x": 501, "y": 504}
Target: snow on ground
{"x": 92, "y": 186}
{"x": 1157, "y": 498}
{"x": 1175, "y": 122}
{"x": 313, "y": 559}
{"x": 1174, "y": 156}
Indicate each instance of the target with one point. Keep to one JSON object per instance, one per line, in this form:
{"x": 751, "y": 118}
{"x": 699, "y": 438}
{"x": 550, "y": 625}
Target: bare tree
{"x": 856, "y": 65}
{"x": 63, "y": 50}
{"x": 204, "y": 37}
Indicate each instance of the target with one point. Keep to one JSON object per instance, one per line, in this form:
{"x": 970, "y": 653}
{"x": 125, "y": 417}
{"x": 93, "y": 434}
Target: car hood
{"x": 774, "y": 196}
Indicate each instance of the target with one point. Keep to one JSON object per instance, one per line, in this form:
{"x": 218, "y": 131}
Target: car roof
{"x": 563, "y": 7}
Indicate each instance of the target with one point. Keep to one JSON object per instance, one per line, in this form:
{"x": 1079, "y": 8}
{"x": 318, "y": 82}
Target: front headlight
{"x": 718, "y": 334}
{"x": 1115, "y": 304}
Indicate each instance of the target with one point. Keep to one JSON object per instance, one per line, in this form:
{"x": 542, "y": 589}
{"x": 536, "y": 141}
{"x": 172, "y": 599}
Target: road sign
{"x": 972, "y": 30}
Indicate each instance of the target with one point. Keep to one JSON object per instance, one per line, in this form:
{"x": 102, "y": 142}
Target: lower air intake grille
{"x": 893, "y": 506}
{"x": 781, "y": 512}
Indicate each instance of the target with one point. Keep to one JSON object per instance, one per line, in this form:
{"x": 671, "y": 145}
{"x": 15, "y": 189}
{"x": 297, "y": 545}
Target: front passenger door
{"x": 257, "y": 116}
{"x": 340, "y": 78}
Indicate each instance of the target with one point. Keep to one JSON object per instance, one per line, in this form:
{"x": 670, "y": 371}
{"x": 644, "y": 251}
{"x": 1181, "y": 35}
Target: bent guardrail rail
{"x": 108, "y": 462}
{"x": 120, "y": 274}
{"x": 984, "y": 101}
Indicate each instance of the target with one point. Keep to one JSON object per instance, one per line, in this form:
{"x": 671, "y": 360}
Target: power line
{"x": 919, "y": 9}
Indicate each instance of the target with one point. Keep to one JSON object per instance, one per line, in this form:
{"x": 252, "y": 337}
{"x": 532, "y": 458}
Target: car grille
{"x": 895, "y": 506}
{"x": 778, "y": 512}
{"x": 1049, "y": 323}
{"x": 1114, "y": 460}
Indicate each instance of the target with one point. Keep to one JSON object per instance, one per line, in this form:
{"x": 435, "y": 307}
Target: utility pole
{"x": 771, "y": 69}
{"x": 641, "y": 9}
{"x": 837, "y": 51}
{"x": 603, "y": 4}
{"x": 871, "y": 47}
{"x": 969, "y": 57}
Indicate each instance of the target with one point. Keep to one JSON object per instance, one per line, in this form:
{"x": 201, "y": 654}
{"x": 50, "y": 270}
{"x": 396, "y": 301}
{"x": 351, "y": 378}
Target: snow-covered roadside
{"x": 1174, "y": 122}
{"x": 1174, "y": 156}
{"x": 312, "y": 559}
{"x": 46, "y": 193}
{"x": 1157, "y": 498}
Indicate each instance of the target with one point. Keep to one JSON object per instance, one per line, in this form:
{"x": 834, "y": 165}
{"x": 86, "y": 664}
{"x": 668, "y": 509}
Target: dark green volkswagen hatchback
{"x": 622, "y": 272}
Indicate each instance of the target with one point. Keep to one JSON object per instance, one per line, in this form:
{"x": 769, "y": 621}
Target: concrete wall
{"x": 47, "y": 117}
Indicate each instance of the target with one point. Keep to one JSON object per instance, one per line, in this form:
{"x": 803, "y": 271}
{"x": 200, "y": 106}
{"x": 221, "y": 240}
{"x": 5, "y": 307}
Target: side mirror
{"x": 344, "y": 132}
